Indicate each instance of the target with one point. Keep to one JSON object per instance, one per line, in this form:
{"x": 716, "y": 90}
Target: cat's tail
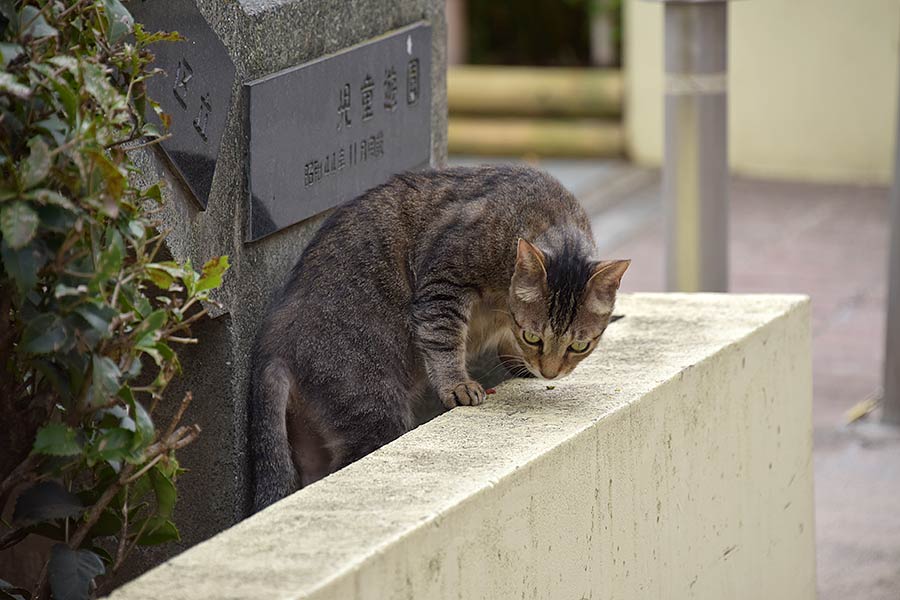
{"x": 274, "y": 475}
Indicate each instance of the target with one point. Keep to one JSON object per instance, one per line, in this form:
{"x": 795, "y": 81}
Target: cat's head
{"x": 560, "y": 302}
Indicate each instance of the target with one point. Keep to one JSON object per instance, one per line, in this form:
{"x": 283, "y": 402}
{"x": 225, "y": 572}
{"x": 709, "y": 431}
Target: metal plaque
{"x": 324, "y": 132}
{"x": 195, "y": 90}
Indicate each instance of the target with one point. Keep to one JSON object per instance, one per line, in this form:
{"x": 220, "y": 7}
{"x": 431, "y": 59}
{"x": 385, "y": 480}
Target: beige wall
{"x": 675, "y": 462}
{"x": 813, "y": 87}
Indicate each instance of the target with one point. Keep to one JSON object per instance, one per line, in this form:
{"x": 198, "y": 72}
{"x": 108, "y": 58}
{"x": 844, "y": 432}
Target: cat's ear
{"x": 602, "y": 285}
{"x": 529, "y": 279}
{"x": 608, "y": 273}
{"x": 530, "y": 259}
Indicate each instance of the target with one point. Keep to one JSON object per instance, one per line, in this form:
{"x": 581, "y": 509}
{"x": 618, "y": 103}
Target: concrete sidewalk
{"x": 829, "y": 242}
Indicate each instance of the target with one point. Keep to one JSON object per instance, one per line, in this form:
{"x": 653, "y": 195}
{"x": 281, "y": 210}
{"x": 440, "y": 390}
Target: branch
{"x": 123, "y": 535}
{"x": 187, "y": 322}
{"x": 176, "y": 419}
{"x": 24, "y": 472}
{"x": 180, "y": 438}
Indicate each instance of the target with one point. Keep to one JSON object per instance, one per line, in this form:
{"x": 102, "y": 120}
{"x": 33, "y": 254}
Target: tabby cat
{"x": 397, "y": 289}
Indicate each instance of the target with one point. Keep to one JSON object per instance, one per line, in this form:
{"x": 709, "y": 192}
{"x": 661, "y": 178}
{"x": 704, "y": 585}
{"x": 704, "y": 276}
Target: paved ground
{"x": 829, "y": 242}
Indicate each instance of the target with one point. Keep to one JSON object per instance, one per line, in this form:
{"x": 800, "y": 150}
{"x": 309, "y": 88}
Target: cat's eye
{"x": 531, "y": 337}
{"x": 579, "y": 346}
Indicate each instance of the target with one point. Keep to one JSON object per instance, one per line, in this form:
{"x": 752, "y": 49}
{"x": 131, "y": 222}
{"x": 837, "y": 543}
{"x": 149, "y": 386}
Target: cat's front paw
{"x": 467, "y": 393}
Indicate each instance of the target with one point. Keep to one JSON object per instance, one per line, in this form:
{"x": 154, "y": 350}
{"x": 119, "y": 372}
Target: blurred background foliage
{"x": 535, "y": 32}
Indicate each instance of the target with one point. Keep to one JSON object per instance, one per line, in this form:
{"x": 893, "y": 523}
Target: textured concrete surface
{"x": 674, "y": 463}
{"x": 829, "y": 242}
{"x": 262, "y": 36}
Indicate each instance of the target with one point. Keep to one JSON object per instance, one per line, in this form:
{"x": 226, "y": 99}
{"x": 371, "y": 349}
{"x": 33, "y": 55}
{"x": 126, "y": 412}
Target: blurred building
{"x": 812, "y": 87}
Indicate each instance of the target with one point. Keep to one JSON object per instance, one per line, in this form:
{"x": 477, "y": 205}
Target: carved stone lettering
{"x": 195, "y": 89}
{"x": 343, "y": 130}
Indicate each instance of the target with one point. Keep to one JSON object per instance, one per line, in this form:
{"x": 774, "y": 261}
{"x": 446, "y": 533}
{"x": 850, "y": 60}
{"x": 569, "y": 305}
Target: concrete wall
{"x": 675, "y": 463}
{"x": 813, "y": 87}
{"x": 262, "y": 37}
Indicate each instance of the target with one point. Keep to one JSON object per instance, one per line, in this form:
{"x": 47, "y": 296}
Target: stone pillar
{"x": 261, "y": 38}
{"x": 695, "y": 174}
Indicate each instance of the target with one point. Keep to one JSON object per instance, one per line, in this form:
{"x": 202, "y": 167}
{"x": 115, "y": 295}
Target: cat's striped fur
{"x": 397, "y": 290}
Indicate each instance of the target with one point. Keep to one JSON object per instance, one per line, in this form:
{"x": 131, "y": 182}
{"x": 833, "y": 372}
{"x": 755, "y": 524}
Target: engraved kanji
{"x": 202, "y": 118}
{"x": 344, "y": 107}
{"x": 183, "y": 75}
{"x": 412, "y": 81}
{"x": 367, "y": 91}
{"x": 390, "y": 89}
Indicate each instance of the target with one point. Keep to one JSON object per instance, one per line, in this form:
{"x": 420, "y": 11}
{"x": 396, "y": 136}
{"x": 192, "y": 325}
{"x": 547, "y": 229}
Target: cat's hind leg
{"x": 274, "y": 475}
{"x": 369, "y": 419}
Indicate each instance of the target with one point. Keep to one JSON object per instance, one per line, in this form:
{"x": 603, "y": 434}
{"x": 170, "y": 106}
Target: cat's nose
{"x": 548, "y": 374}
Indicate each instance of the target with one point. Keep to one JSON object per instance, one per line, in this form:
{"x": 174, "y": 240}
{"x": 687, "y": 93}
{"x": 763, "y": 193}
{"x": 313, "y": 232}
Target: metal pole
{"x": 695, "y": 174}
{"x": 891, "y": 399}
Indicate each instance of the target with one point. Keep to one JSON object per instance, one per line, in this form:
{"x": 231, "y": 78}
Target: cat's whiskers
{"x": 517, "y": 361}
{"x": 507, "y": 364}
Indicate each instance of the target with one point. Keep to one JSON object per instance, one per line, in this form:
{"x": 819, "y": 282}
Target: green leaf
{"x": 105, "y": 556}
{"x": 9, "y": 85}
{"x": 105, "y": 380}
{"x": 37, "y": 166}
{"x": 145, "y": 38}
{"x": 163, "y": 274}
{"x": 18, "y": 223}
{"x": 144, "y": 334}
{"x": 24, "y": 264}
{"x": 119, "y": 21}
{"x": 116, "y": 416}
{"x": 211, "y": 277}
{"x": 55, "y": 198}
{"x": 65, "y": 61}
{"x": 136, "y": 302}
{"x": 170, "y": 467}
{"x": 44, "y": 334}
{"x": 33, "y": 24}
{"x": 158, "y": 531}
{"x": 10, "y": 592}
{"x": 55, "y": 219}
{"x": 71, "y": 572}
{"x": 45, "y": 501}
{"x": 56, "y": 439}
{"x": 68, "y": 97}
{"x": 97, "y": 84}
{"x": 55, "y": 128}
{"x": 56, "y": 376}
{"x": 134, "y": 370}
{"x": 9, "y": 53}
{"x": 154, "y": 192}
{"x": 159, "y": 277}
{"x": 166, "y": 352}
{"x": 114, "y": 444}
{"x": 139, "y": 489}
{"x": 169, "y": 266}
{"x": 137, "y": 230}
{"x": 62, "y": 290}
{"x": 150, "y": 130}
{"x": 165, "y": 492}
{"x": 189, "y": 278}
{"x": 145, "y": 429}
{"x": 109, "y": 523}
{"x": 110, "y": 258}
{"x": 99, "y": 317}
